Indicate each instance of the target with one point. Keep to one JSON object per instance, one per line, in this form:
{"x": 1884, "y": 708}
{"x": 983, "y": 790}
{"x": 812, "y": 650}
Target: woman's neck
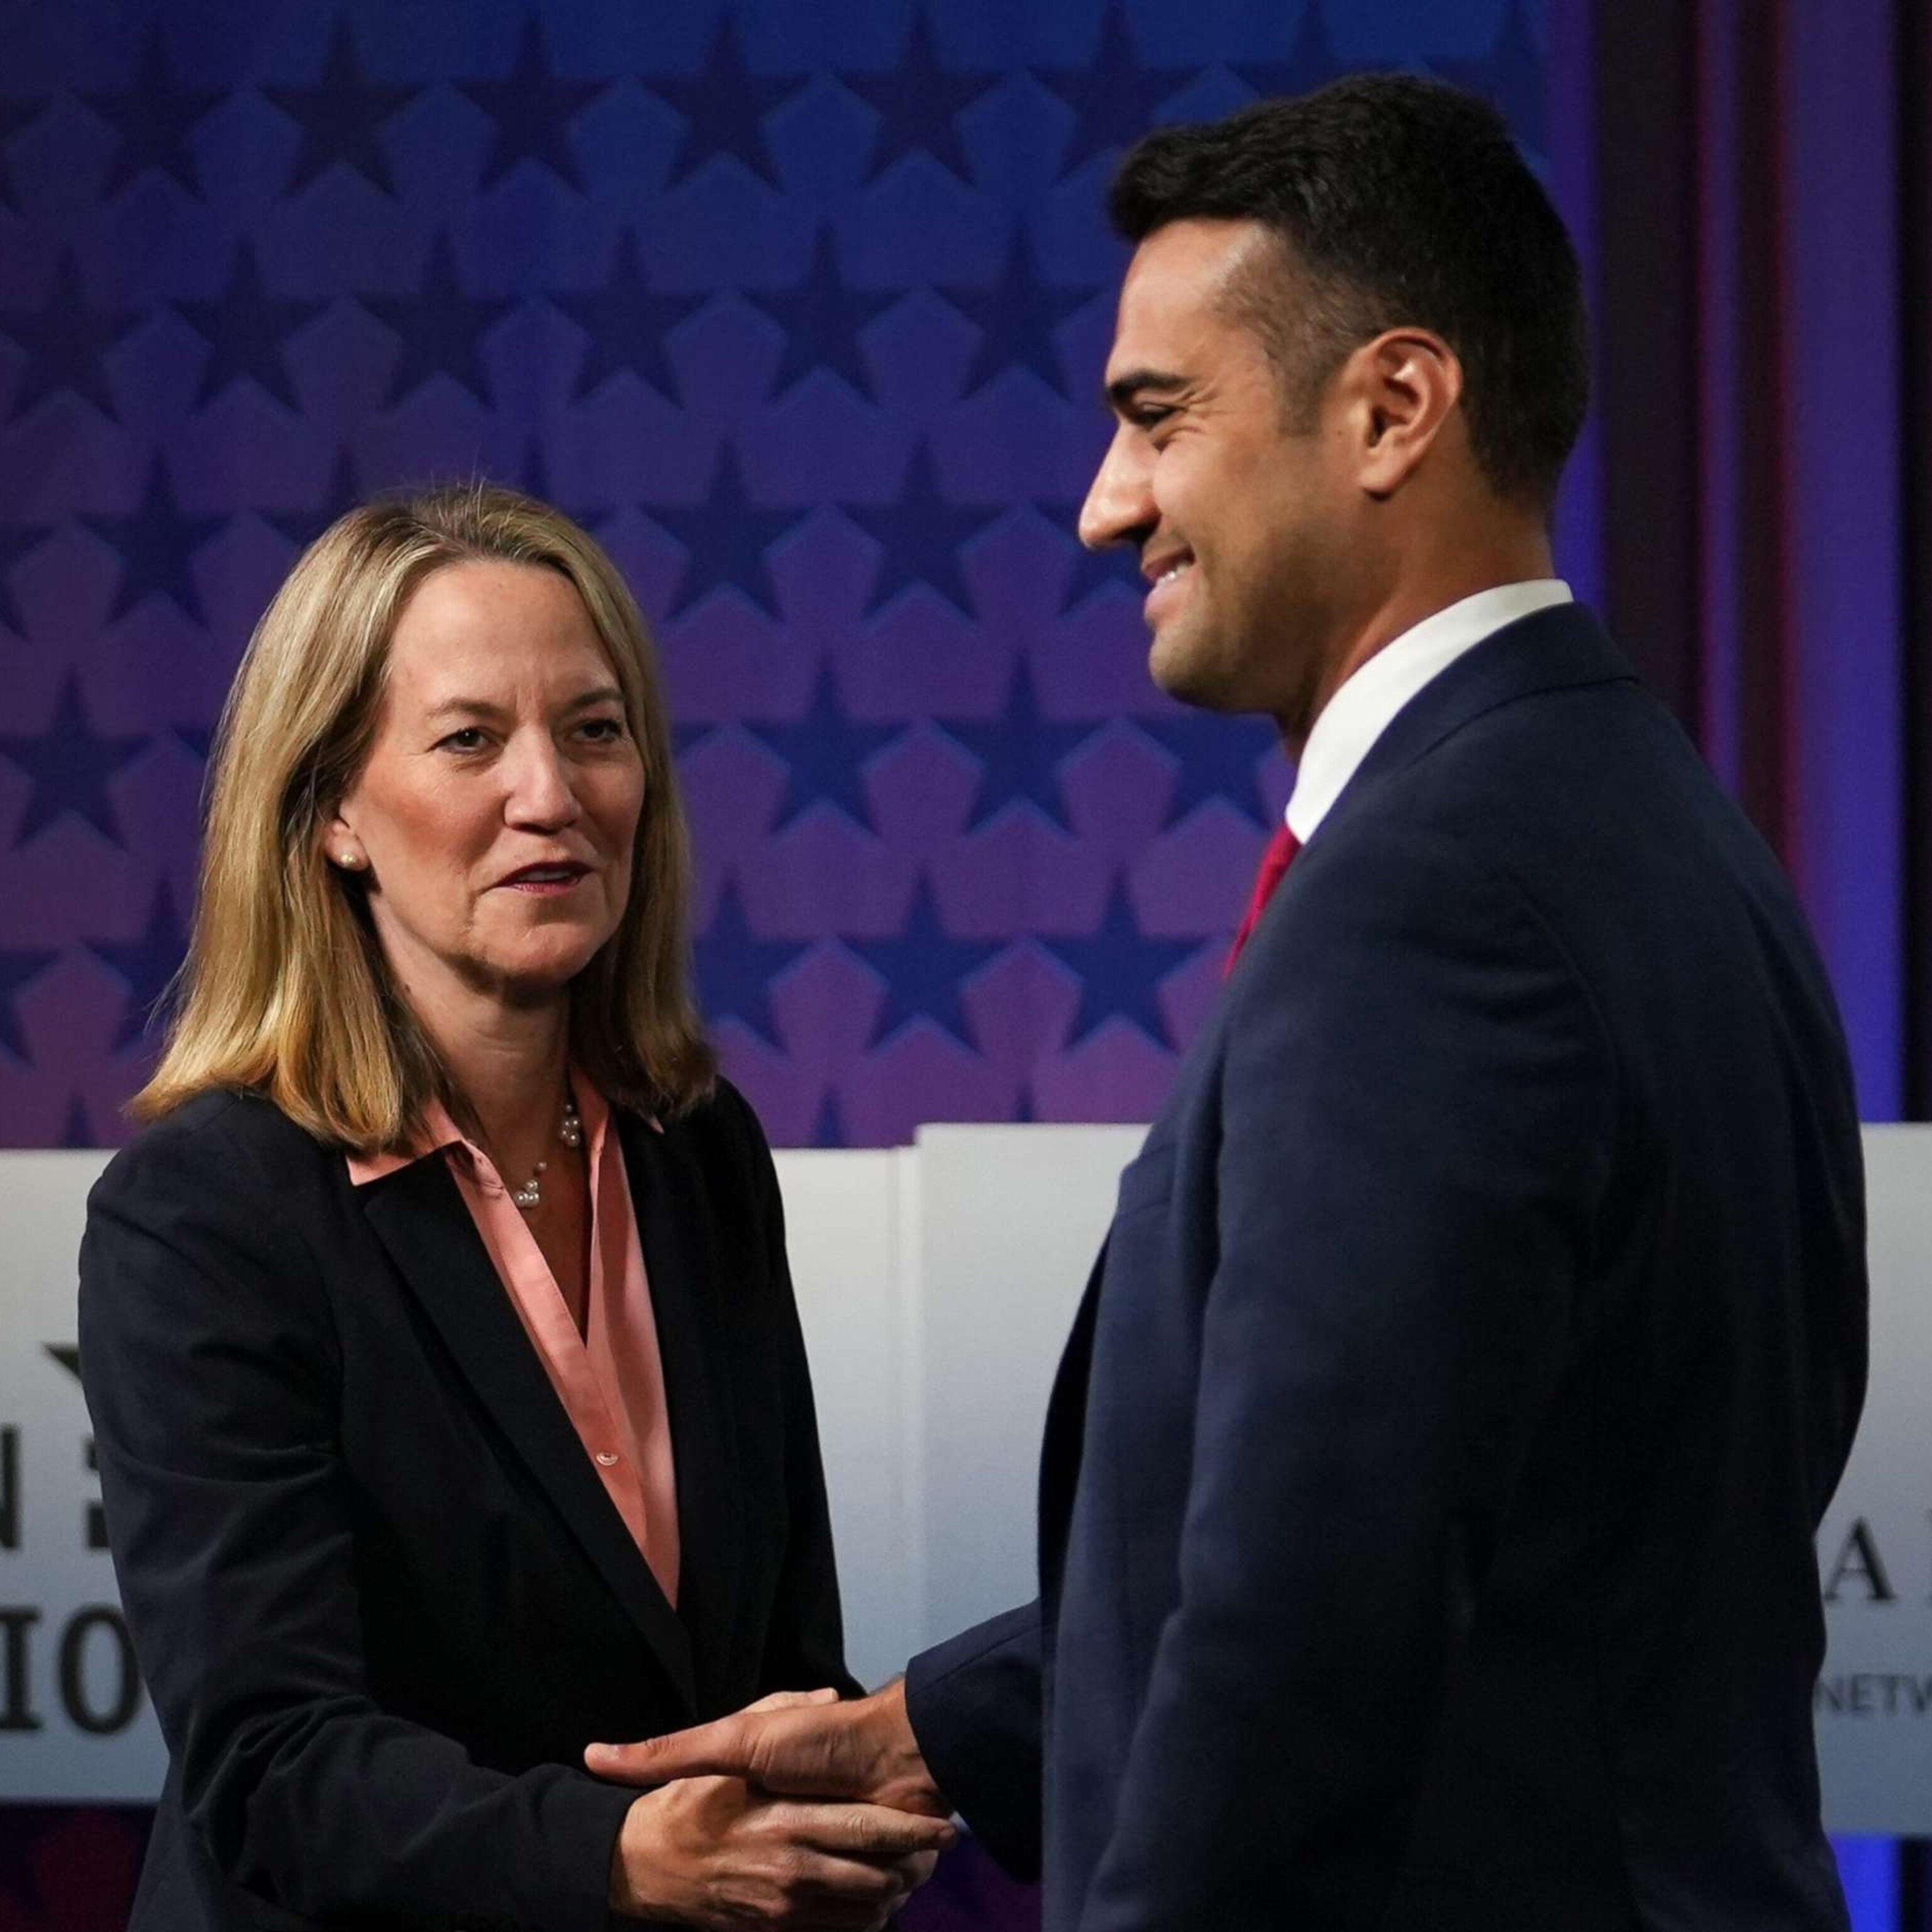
{"x": 508, "y": 1065}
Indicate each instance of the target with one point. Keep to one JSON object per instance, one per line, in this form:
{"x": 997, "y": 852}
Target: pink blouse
{"x": 610, "y": 1378}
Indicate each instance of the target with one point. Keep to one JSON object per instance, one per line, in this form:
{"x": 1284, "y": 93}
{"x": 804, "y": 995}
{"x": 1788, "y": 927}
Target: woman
{"x": 450, "y": 1400}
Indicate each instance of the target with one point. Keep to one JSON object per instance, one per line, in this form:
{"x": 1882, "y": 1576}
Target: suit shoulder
{"x": 227, "y": 1143}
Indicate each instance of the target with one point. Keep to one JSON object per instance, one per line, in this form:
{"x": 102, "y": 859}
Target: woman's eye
{"x": 470, "y": 738}
{"x": 602, "y": 731}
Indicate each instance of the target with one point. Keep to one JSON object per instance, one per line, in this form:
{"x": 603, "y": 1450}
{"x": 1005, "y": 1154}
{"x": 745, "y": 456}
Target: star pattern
{"x": 17, "y": 966}
{"x": 724, "y": 105}
{"x": 245, "y": 331}
{"x": 626, "y": 320}
{"x": 924, "y": 968}
{"x": 822, "y": 318}
{"x": 1217, "y": 757}
{"x": 342, "y": 493}
{"x": 1115, "y": 97}
{"x": 66, "y": 341}
{"x": 148, "y": 964}
{"x": 736, "y": 968}
{"x": 157, "y": 541}
{"x": 920, "y": 532}
{"x": 725, "y": 540}
{"x": 825, "y": 752}
{"x": 1019, "y": 753}
{"x": 69, "y": 765}
{"x": 442, "y": 327}
{"x": 1120, "y": 969}
{"x": 342, "y": 115}
{"x": 532, "y": 106}
{"x": 1310, "y": 62}
{"x": 1016, "y": 316}
{"x": 18, "y": 113}
{"x": 919, "y": 103}
{"x": 16, "y": 544}
{"x": 154, "y": 120}
{"x": 802, "y": 302}
{"x": 1512, "y": 77}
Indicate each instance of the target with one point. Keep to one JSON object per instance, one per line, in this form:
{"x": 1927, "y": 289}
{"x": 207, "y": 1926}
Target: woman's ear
{"x": 341, "y": 847}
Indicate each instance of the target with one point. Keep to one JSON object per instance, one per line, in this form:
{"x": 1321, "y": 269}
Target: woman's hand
{"x": 711, "y": 1851}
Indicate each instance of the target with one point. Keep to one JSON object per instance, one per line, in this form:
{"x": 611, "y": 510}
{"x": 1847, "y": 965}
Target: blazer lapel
{"x": 419, "y": 1217}
{"x": 1060, "y": 1451}
{"x": 680, "y": 1258}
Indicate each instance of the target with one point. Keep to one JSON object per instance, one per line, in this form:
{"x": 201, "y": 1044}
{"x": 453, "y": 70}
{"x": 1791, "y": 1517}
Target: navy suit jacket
{"x": 1429, "y": 1488}
{"x": 378, "y": 1593}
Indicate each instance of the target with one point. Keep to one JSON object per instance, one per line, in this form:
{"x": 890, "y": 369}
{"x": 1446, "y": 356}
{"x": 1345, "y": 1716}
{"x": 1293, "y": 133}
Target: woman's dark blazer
{"x": 377, "y": 1591}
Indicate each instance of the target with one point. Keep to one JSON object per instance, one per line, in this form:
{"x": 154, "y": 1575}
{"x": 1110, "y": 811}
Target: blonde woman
{"x": 451, "y": 1403}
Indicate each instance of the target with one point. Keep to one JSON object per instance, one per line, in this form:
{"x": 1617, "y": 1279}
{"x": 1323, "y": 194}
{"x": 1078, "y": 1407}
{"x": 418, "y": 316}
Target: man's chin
{"x": 1190, "y": 675}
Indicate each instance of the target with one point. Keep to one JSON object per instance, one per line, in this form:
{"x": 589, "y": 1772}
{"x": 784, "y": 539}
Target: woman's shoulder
{"x": 240, "y": 1143}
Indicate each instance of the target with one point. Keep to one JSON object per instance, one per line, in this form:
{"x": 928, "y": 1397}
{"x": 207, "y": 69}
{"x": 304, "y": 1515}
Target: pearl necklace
{"x": 571, "y": 1132}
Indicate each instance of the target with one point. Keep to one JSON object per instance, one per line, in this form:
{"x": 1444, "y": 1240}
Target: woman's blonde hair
{"x": 285, "y": 991}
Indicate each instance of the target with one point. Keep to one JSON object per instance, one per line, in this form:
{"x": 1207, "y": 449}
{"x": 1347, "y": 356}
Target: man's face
{"x": 1242, "y": 515}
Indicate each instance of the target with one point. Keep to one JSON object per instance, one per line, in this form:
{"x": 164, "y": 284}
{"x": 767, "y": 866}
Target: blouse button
{"x": 606, "y": 1457}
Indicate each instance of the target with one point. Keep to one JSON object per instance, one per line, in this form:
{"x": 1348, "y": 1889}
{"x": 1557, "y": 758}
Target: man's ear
{"x": 1402, "y": 387}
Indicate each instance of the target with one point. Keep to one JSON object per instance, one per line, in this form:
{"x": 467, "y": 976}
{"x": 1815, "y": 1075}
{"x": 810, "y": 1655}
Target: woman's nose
{"x": 541, "y": 792}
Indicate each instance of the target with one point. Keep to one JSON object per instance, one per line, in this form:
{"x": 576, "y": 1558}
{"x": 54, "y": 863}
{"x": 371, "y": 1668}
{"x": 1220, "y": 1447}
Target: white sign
{"x": 937, "y": 1285}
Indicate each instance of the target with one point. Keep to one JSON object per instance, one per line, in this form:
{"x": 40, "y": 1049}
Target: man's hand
{"x": 863, "y": 1749}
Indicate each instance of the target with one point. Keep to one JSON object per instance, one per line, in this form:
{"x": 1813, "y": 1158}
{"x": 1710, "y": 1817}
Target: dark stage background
{"x": 802, "y": 308}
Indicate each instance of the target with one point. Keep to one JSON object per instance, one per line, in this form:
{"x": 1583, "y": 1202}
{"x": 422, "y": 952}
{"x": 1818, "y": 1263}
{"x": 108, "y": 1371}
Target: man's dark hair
{"x": 1399, "y": 201}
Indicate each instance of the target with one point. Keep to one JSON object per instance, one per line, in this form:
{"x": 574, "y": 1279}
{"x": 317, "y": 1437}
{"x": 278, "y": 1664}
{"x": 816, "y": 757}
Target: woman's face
{"x": 494, "y": 819}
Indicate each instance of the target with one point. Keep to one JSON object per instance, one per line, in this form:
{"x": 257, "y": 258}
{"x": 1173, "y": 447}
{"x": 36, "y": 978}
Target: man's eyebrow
{"x": 1121, "y": 391}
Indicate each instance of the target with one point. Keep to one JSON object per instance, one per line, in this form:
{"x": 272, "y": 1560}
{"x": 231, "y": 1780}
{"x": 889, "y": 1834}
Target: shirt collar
{"x": 439, "y": 1132}
{"x": 1366, "y": 704}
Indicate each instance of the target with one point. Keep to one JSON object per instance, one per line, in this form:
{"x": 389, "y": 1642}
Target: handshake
{"x": 801, "y": 1811}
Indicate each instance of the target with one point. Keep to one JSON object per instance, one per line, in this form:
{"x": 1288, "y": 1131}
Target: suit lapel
{"x": 419, "y": 1217}
{"x": 680, "y": 1258}
{"x": 1060, "y": 1451}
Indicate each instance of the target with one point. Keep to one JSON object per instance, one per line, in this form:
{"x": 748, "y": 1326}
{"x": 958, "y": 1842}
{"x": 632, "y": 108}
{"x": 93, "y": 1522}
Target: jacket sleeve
{"x": 1417, "y": 1104}
{"x": 805, "y": 1648}
{"x": 974, "y": 1705}
{"x": 211, "y": 1371}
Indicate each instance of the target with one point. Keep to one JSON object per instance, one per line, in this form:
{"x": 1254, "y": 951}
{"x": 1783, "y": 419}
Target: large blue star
{"x": 827, "y": 751}
{"x": 627, "y": 320}
{"x": 245, "y": 331}
{"x": 533, "y": 107}
{"x": 15, "y": 543}
{"x": 342, "y": 493}
{"x": 148, "y": 963}
{"x": 736, "y": 968}
{"x": 725, "y": 538}
{"x": 724, "y": 105}
{"x": 17, "y": 113}
{"x": 154, "y": 119}
{"x": 923, "y": 968}
{"x": 17, "y": 968}
{"x": 1019, "y": 753}
{"x": 822, "y": 318}
{"x": 1016, "y": 316}
{"x": 921, "y": 534}
{"x": 1114, "y": 96}
{"x": 157, "y": 541}
{"x": 342, "y": 116}
{"x": 66, "y": 341}
{"x": 919, "y": 103}
{"x": 69, "y": 764}
{"x": 442, "y": 327}
{"x": 1309, "y": 64}
{"x": 1217, "y": 757}
{"x": 1513, "y": 77}
{"x": 1120, "y": 970}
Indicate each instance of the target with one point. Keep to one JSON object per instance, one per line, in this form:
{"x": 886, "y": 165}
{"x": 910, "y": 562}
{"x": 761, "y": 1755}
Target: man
{"x": 1428, "y": 1493}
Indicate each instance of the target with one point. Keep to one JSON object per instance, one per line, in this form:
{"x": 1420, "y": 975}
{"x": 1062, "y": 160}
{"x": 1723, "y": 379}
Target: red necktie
{"x": 1281, "y": 850}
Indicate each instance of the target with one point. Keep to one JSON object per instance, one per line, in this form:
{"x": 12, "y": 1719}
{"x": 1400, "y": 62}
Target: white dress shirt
{"x": 1366, "y": 706}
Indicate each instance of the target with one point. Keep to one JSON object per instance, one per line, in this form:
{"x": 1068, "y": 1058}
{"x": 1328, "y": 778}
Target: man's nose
{"x": 1120, "y": 505}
